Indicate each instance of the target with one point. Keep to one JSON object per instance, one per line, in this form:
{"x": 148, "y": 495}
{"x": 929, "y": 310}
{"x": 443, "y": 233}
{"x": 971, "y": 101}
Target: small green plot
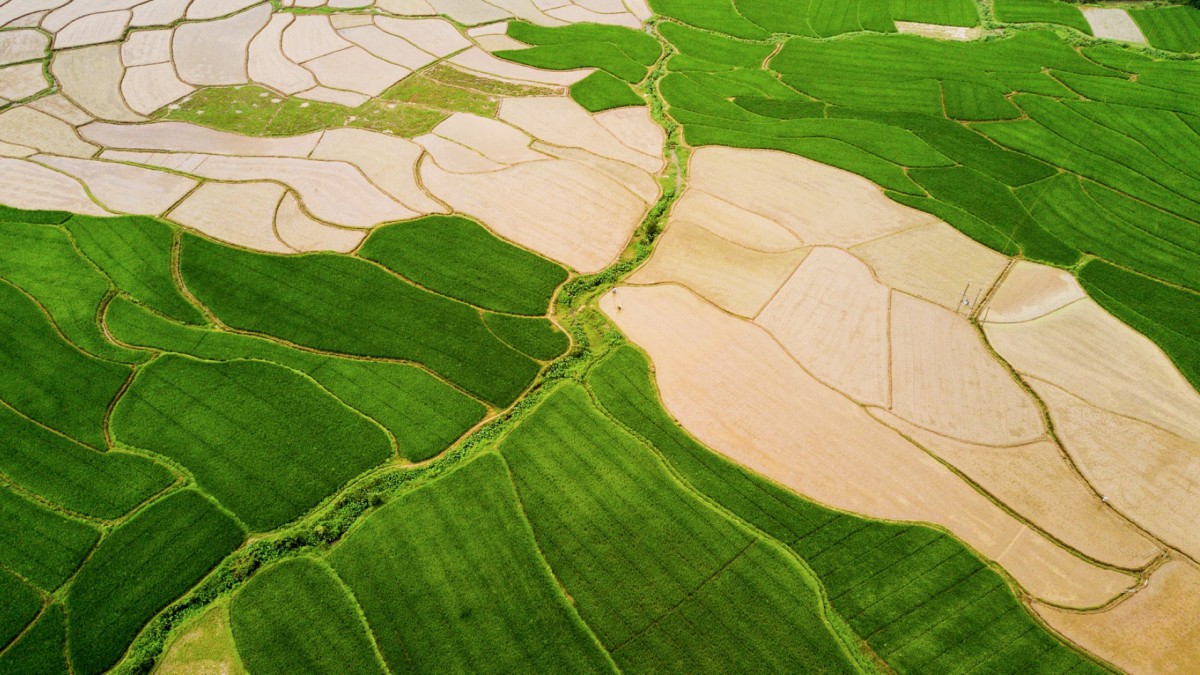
{"x": 295, "y": 617}
{"x": 941, "y": 12}
{"x": 103, "y": 485}
{"x": 450, "y": 580}
{"x": 1175, "y": 29}
{"x": 600, "y": 91}
{"x": 42, "y": 261}
{"x": 265, "y": 441}
{"x": 623, "y": 52}
{"x": 39, "y": 544}
{"x": 21, "y": 604}
{"x": 423, "y": 413}
{"x": 535, "y": 336}
{"x": 135, "y": 253}
{"x": 345, "y": 305}
{"x": 48, "y": 379}
{"x": 138, "y": 569}
{"x": 40, "y": 649}
{"x": 1041, "y": 11}
{"x": 457, "y": 257}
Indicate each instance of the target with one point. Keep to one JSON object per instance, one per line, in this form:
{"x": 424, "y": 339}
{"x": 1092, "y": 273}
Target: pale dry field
{"x": 1157, "y": 630}
{"x": 1113, "y": 23}
{"x": 753, "y": 403}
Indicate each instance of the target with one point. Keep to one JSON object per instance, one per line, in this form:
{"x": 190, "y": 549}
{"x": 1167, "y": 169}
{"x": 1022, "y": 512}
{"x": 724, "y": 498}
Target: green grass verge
{"x": 664, "y": 580}
{"x": 40, "y": 649}
{"x": 600, "y": 91}
{"x": 450, "y": 580}
{"x": 535, "y": 336}
{"x": 47, "y": 378}
{"x": 295, "y": 617}
{"x": 135, "y": 253}
{"x": 102, "y": 485}
{"x": 21, "y": 604}
{"x": 39, "y": 544}
{"x": 339, "y": 304}
{"x": 423, "y": 413}
{"x": 264, "y": 440}
{"x": 458, "y": 257}
{"x": 918, "y": 597}
{"x": 138, "y": 569}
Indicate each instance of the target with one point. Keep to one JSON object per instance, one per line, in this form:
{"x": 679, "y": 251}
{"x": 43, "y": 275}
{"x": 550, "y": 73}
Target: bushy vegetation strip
{"x": 264, "y": 440}
{"x": 40, "y": 545}
{"x": 138, "y": 569}
{"x": 295, "y": 617}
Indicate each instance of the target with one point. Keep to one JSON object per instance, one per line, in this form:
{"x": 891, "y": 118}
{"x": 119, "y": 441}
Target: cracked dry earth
{"x": 862, "y": 353}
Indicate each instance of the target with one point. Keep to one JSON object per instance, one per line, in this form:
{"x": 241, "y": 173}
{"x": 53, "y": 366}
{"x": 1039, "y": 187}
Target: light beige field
{"x": 944, "y": 379}
{"x": 91, "y": 78}
{"x": 35, "y": 129}
{"x": 204, "y": 647}
{"x": 733, "y": 222}
{"x": 753, "y": 403}
{"x": 817, "y": 203}
{"x": 1150, "y": 474}
{"x": 1085, "y": 350}
{"x": 935, "y": 262}
{"x": 933, "y": 30}
{"x": 733, "y": 277}
{"x": 1036, "y": 481}
{"x": 124, "y": 188}
{"x": 561, "y": 121}
{"x": 1157, "y": 630}
{"x": 238, "y": 213}
{"x": 832, "y": 316}
{"x": 1113, "y": 23}
{"x": 302, "y": 233}
{"x": 1030, "y": 291}
{"x": 26, "y": 185}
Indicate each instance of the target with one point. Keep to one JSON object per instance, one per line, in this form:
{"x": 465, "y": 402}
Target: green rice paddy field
{"x": 434, "y": 454}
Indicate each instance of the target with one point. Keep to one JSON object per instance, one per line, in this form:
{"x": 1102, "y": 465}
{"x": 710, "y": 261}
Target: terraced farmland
{"x": 599, "y": 336}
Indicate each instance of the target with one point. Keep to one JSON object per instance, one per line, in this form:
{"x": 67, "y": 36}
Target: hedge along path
{"x": 475, "y": 599}
{"x": 263, "y": 440}
{"x": 859, "y": 562}
{"x": 296, "y": 616}
{"x": 601, "y": 504}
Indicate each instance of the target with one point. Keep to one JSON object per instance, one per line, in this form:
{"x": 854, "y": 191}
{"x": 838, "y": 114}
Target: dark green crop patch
{"x": 138, "y": 569}
{"x": 40, "y": 545}
{"x": 265, "y": 441}
{"x": 295, "y": 617}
